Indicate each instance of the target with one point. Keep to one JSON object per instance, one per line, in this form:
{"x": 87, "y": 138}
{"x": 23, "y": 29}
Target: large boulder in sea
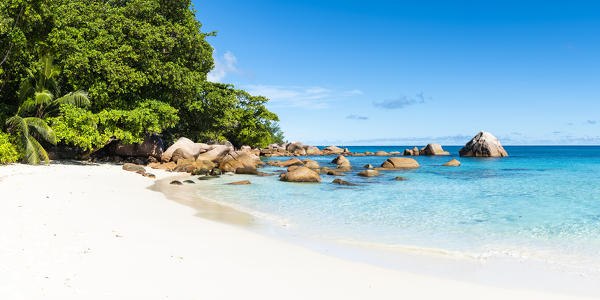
{"x": 484, "y": 144}
{"x": 400, "y": 163}
{"x": 301, "y": 174}
{"x": 341, "y": 162}
{"x": 152, "y": 146}
{"x": 311, "y": 164}
{"x": 433, "y": 149}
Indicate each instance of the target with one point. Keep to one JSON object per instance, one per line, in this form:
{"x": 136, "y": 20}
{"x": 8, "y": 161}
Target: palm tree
{"x": 38, "y": 102}
{"x": 27, "y": 129}
{"x": 37, "y": 93}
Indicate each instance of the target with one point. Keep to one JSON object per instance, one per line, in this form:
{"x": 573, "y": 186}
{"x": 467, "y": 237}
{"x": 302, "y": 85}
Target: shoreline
{"x": 436, "y": 262}
{"x": 71, "y": 237}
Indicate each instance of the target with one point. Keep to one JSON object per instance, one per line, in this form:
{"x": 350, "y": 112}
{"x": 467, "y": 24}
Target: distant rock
{"x": 381, "y": 153}
{"x": 342, "y": 182}
{"x": 452, "y": 163}
{"x": 311, "y": 150}
{"x": 301, "y": 174}
{"x": 400, "y": 163}
{"x": 189, "y": 181}
{"x": 247, "y": 170}
{"x": 333, "y": 150}
{"x": 368, "y": 166}
{"x": 484, "y": 144}
{"x": 369, "y": 173}
{"x": 400, "y": 178}
{"x": 176, "y": 182}
{"x": 433, "y": 149}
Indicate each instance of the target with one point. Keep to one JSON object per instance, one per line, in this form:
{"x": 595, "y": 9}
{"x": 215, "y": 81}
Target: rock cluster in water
{"x": 484, "y": 144}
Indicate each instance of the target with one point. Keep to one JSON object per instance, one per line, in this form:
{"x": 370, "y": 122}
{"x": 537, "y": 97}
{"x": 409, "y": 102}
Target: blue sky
{"x": 412, "y": 72}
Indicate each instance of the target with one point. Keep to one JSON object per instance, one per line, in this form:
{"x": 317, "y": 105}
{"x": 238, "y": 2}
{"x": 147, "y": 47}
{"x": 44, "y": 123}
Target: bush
{"x": 8, "y": 151}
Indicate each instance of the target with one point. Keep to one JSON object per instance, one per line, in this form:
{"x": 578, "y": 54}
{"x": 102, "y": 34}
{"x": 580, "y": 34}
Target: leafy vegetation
{"x": 134, "y": 67}
{"x": 8, "y": 150}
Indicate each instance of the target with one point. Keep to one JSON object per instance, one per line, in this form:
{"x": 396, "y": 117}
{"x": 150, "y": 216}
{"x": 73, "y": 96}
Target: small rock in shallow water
{"x": 176, "y": 182}
{"x": 189, "y": 181}
{"x": 207, "y": 177}
{"x": 342, "y": 182}
{"x": 240, "y": 182}
{"x": 369, "y": 173}
{"x": 452, "y": 163}
{"x": 368, "y": 166}
{"x": 399, "y": 178}
{"x": 335, "y": 173}
{"x": 149, "y": 175}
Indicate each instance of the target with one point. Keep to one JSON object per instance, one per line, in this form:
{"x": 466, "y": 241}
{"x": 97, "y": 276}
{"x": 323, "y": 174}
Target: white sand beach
{"x": 98, "y": 232}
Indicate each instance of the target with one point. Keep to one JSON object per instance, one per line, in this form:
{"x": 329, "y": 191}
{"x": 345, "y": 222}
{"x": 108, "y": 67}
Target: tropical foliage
{"x": 8, "y": 150}
{"x": 133, "y": 67}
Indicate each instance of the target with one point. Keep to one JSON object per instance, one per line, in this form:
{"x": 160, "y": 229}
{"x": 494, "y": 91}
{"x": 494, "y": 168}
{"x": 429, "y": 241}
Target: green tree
{"x": 37, "y": 92}
{"x": 28, "y": 130}
{"x": 125, "y": 52}
{"x": 92, "y": 131}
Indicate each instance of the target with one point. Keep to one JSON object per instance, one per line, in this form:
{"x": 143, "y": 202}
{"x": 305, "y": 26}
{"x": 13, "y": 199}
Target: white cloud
{"x": 314, "y": 97}
{"x": 223, "y": 65}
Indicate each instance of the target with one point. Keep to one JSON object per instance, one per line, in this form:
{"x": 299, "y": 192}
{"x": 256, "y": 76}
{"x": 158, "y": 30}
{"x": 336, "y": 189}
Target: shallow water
{"x": 542, "y": 203}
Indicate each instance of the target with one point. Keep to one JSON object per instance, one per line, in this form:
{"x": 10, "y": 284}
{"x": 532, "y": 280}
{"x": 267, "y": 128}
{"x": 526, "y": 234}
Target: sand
{"x": 77, "y": 231}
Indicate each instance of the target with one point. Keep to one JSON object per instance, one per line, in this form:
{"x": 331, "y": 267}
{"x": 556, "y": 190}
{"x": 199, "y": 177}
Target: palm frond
{"x": 27, "y": 108}
{"x": 39, "y": 150}
{"x": 42, "y": 129}
{"x": 17, "y": 124}
{"x": 43, "y": 98}
{"x": 30, "y": 153}
{"x": 78, "y": 98}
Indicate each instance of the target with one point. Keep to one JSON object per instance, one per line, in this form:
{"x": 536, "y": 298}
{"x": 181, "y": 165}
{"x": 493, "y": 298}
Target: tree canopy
{"x": 144, "y": 60}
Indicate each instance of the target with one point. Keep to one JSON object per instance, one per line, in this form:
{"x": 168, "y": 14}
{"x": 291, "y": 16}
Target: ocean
{"x": 541, "y": 203}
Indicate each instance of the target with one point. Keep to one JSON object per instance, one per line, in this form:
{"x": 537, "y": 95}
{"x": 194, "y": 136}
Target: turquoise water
{"x": 541, "y": 202}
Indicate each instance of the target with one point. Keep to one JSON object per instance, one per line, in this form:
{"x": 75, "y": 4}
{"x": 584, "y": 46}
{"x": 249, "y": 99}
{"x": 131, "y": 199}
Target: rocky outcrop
{"x": 484, "y": 144}
{"x": 216, "y": 153}
{"x": 237, "y": 159}
{"x": 369, "y": 173}
{"x": 181, "y": 153}
{"x": 301, "y": 174}
{"x": 400, "y": 163}
{"x": 452, "y": 163}
{"x": 333, "y": 150}
{"x": 311, "y": 150}
{"x": 134, "y": 168}
{"x": 187, "y": 146}
{"x": 430, "y": 149}
{"x": 433, "y": 149}
{"x": 381, "y": 153}
{"x": 152, "y": 146}
{"x": 286, "y": 163}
